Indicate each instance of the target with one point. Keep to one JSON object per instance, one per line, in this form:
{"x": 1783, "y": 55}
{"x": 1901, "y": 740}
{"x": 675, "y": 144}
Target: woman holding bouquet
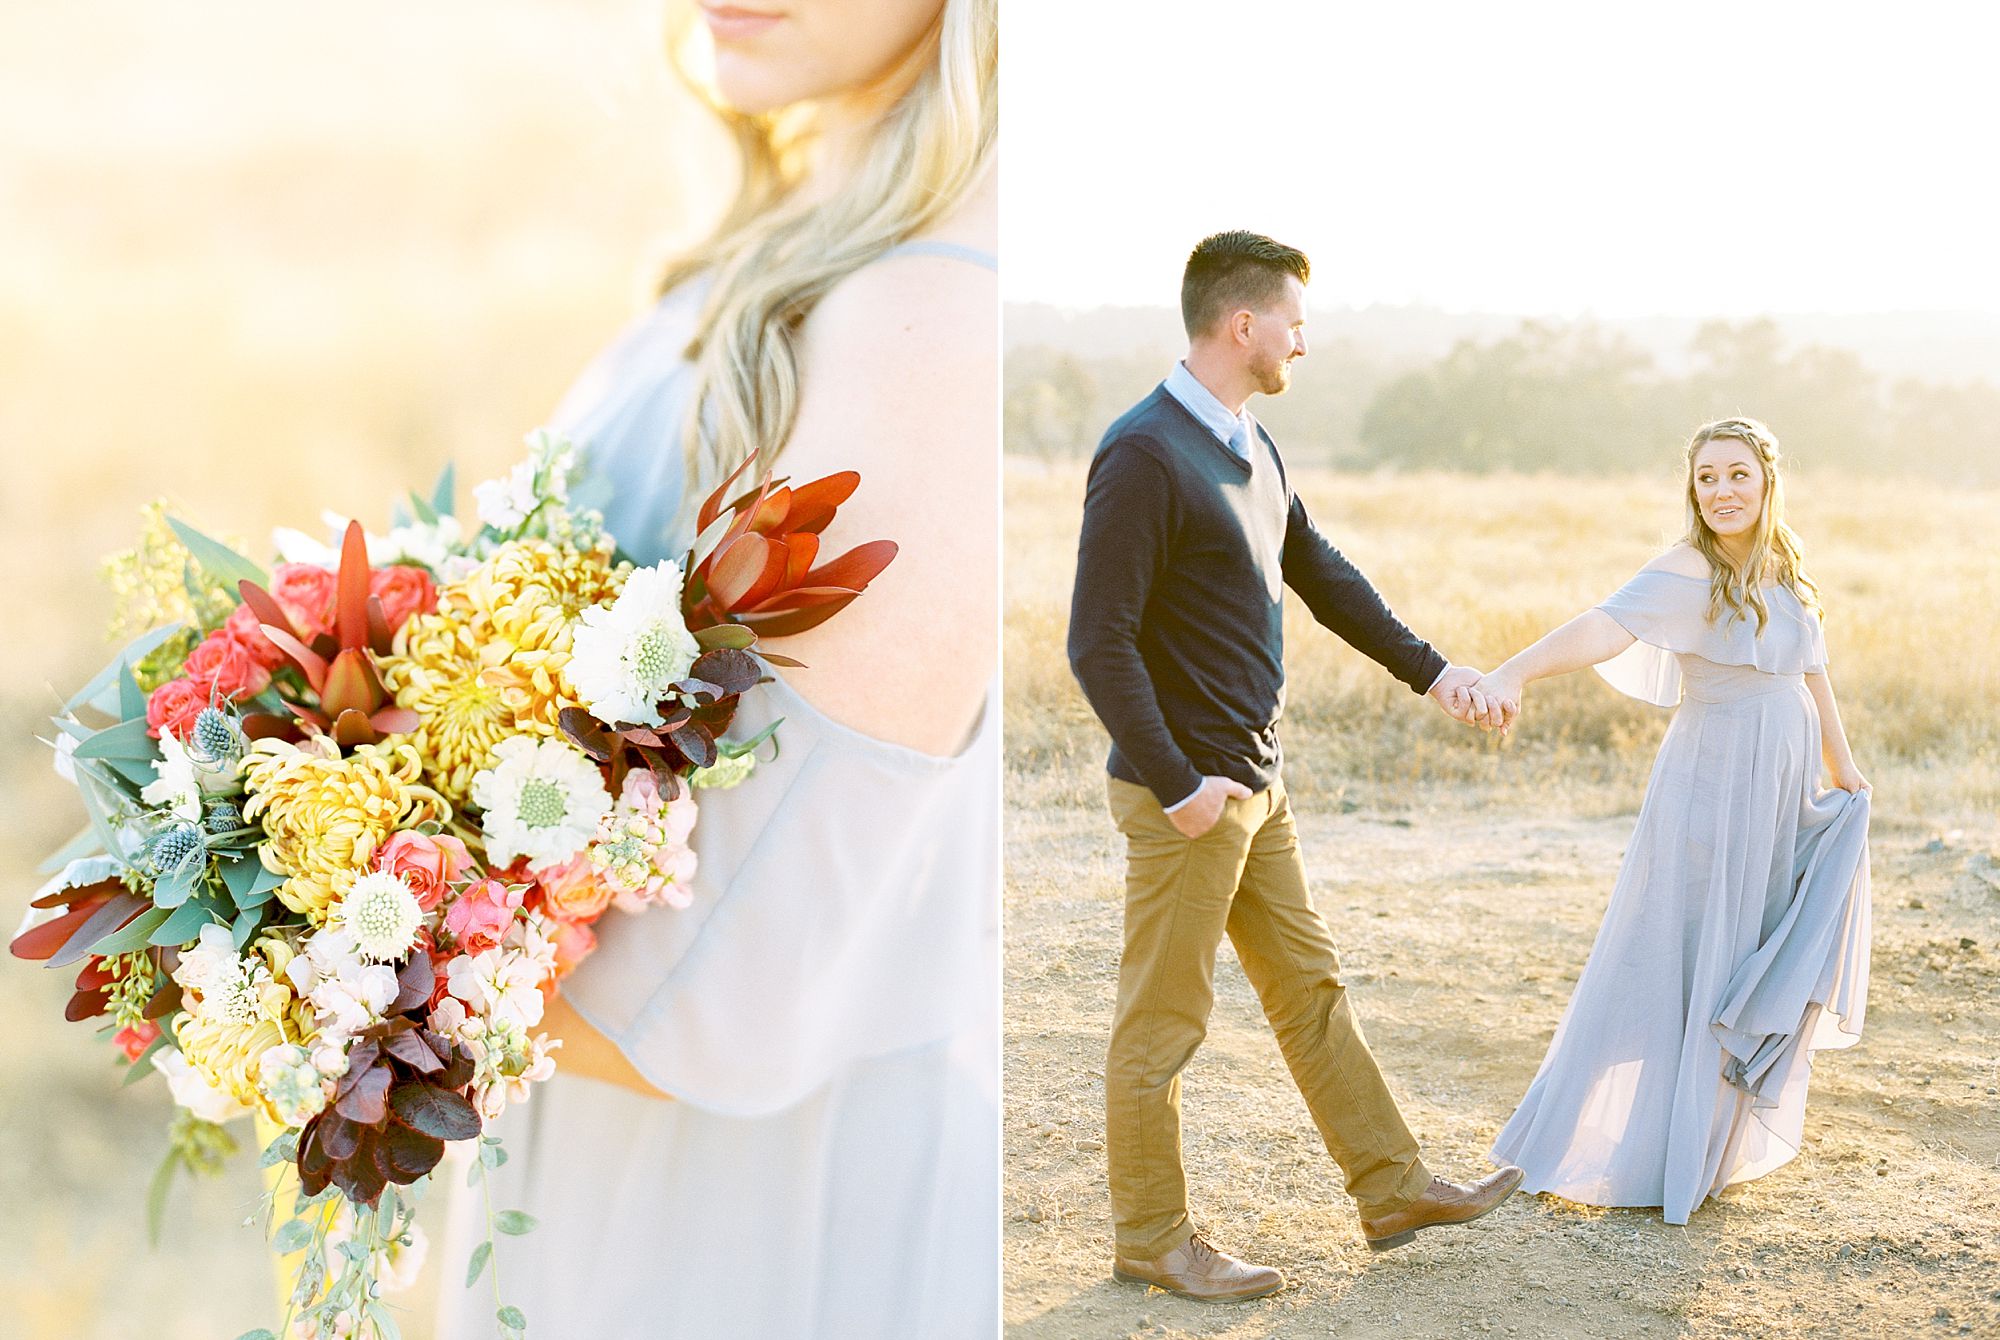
{"x": 775, "y": 1112}
{"x": 1736, "y": 940}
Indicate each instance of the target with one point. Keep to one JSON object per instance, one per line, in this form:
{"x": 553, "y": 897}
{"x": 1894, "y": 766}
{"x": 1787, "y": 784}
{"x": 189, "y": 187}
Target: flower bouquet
{"x": 351, "y": 821}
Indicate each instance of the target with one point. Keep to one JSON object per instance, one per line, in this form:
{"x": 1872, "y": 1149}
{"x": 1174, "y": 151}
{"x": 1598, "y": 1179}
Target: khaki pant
{"x": 1244, "y": 877}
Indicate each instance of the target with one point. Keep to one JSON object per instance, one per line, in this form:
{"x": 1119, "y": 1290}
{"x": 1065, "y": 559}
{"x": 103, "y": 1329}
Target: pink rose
{"x": 174, "y": 706}
{"x": 480, "y": 916}
{"x": 574, "y": 943}
{"x": 135, "y": 1038}
{"x": 573, "y": 892}
{"x": 429, "y": 865}
{"x": 403, "y": 591}
{"x": 228, "y": 666}
{"x": 245, "y": 627}
{"x": 305, "y": 593}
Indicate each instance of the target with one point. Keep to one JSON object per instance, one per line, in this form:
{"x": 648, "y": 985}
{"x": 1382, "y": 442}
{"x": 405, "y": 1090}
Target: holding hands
{"x": 1489, "y": 701}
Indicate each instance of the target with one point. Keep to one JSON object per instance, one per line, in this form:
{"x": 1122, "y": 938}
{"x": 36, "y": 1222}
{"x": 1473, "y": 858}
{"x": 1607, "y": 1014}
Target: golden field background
{"x": 264, "y": 261}
{"x": 1463, "y": 877}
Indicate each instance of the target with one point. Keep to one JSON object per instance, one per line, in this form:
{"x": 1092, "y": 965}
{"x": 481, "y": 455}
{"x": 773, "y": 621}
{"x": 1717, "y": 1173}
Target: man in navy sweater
{"x": 1191, "y": 532}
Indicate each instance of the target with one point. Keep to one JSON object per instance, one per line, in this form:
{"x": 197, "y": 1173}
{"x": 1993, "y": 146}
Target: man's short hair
{"x": 1228, "y": 272}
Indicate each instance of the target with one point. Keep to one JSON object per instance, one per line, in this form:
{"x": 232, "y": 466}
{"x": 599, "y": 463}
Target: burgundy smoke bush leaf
{"x": 338, "y": 1137}
{"x": 434, "y": 1111}
{"x": 410, "y": 1153}
{"x": 408, "y": 1048}
{"x": 366, "y": 1100}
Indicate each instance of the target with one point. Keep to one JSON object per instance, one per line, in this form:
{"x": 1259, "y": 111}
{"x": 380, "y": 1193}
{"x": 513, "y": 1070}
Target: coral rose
{"x": 246, "y": 628}
{"x": 173, "y": 707}
{"x": 479, "y": 917}
{"x": 572, "y": 891}
{"x": 403, "y": 591}
{"x": 429, "y": 865}
{"x": 133, "y": 1039}
{"x": 574, "y": 942}
{"x": 305, "y": 593}
{"x": 228, "y": 666}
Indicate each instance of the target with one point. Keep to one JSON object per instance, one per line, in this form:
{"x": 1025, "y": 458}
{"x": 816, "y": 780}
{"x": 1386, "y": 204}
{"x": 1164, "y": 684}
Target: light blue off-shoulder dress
{"x": 1735, "y": 944}
{"x": 826, "y": 1013}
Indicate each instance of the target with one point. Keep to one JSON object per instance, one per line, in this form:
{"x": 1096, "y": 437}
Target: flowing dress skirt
{"x": 1734, "y": 946}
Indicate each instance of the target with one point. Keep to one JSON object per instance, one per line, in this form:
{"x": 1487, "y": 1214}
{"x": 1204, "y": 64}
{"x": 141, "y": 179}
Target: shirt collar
{"x": 1211, "y": 413}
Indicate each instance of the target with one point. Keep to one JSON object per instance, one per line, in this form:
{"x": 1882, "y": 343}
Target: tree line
{"x": 1551, "y": 396}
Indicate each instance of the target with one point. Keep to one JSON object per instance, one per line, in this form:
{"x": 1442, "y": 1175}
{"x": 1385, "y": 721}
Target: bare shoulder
{"x": 1682, "y": 560}
{"x": 899, "y": 380}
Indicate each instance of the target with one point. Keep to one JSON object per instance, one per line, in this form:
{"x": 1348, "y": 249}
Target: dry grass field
{"x": 263, "y": 260}
{"x": 1463, "y": 877}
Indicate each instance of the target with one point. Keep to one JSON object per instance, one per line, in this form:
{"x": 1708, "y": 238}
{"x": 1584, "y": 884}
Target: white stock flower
{"x": 347, "y": 995}
{"x": 541, "y": 799}
{"x": 177, "y": 781}
{"x": 505, "y": 503}
{"x": 503, "y": 985}
{"x": 380, "y": 911}
{"x": 193, "y": 1092}
{"x": 624, "y": 656}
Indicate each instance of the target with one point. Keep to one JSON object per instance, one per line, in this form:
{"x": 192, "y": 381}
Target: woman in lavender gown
{"x": 1736, "y": 940}
{"x": 776, "y": 1110}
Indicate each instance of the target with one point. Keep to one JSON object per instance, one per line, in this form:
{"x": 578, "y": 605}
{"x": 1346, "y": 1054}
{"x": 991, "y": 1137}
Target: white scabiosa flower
{"x": 381, "y": 912}
{"x": 542, "y": 800}
{"x": 624, "y": 656}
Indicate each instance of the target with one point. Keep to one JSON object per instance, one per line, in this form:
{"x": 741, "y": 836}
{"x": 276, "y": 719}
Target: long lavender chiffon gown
{"x": 825, "y": 1013}
{"x": 1736, "y": 940}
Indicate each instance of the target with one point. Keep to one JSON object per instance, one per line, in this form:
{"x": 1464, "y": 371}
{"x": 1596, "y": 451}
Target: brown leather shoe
{"x": 1196, "y": 1270}
{"x": 1445, "y": 1203}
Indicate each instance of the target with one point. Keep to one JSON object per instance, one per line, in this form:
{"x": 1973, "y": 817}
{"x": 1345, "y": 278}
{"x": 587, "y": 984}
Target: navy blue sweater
{"x": 1176, "y": 627}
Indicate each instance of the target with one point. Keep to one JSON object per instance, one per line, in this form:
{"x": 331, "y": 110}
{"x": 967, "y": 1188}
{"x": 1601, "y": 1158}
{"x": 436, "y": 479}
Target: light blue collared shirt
{"x": 1235, "y": 431}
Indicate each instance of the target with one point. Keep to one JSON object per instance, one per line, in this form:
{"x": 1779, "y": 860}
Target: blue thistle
{"x": 215, "y": 737}
{"x": 224, "y": 817}
{"x": 177, "y": 850}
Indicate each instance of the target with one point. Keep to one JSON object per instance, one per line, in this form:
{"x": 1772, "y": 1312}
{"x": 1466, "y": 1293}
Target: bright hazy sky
{"x": 1621, "y": 159}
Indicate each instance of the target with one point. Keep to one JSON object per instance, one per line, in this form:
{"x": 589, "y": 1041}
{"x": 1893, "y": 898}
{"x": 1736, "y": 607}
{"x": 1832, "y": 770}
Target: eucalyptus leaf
{"x": 511, "y": 1318}
{"x": 131, "y": 698}
{"x": 245, "y": 926}
{"x": 127, "y": 739}
{"x": 174, "y": 890}
{"x": 105, "y": 681}
{"x": 156, "y": 1196}
{"x": 442, "y": 495}
{"x": 292, "y": 1236}
{"x": 421, "y": 506}
{"x": 283, "y": 1149}
{"x": 515, "y": 1222}
{"x": 477, "y": 1266}
{"x": 259, "y": 1334}
{"x": 184, "y": 924}
{"x": 218, "y": 560}
{"x": 135, "y": 935}
{"x": 492, "y": 1155}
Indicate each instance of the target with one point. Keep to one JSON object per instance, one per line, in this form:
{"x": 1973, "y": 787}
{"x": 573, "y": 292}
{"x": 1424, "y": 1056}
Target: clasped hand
{"x": 1488, "y": 701}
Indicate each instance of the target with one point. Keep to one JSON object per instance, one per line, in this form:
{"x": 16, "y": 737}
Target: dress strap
{"x": 951, "y": 251}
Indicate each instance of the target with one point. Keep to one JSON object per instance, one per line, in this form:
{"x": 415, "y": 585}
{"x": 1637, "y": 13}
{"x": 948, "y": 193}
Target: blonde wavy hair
{"x": 1775, "y": 550}
{"x": 775, "y": 254}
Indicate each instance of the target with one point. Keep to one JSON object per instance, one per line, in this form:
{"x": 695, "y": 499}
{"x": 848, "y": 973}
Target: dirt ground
{"x": 1461, "y": 932}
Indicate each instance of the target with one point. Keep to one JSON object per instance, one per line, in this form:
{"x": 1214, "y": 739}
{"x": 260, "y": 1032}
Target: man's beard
{"x": 1274, "y": 377}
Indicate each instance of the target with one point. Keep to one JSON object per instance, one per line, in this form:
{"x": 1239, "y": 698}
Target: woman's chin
{"x": 753, "y": 87}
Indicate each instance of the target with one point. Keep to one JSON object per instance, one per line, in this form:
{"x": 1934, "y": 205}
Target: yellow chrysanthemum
{"x": 491, "y": 661}
{"x": 224, "y": 1038}
{"x": 324, "y": 815}
{"x": 439, "y": 673}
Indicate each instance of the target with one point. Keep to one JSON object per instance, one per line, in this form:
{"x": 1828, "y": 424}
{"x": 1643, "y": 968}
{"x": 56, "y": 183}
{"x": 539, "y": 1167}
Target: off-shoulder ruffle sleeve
{"x": 1668, "y": 614}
